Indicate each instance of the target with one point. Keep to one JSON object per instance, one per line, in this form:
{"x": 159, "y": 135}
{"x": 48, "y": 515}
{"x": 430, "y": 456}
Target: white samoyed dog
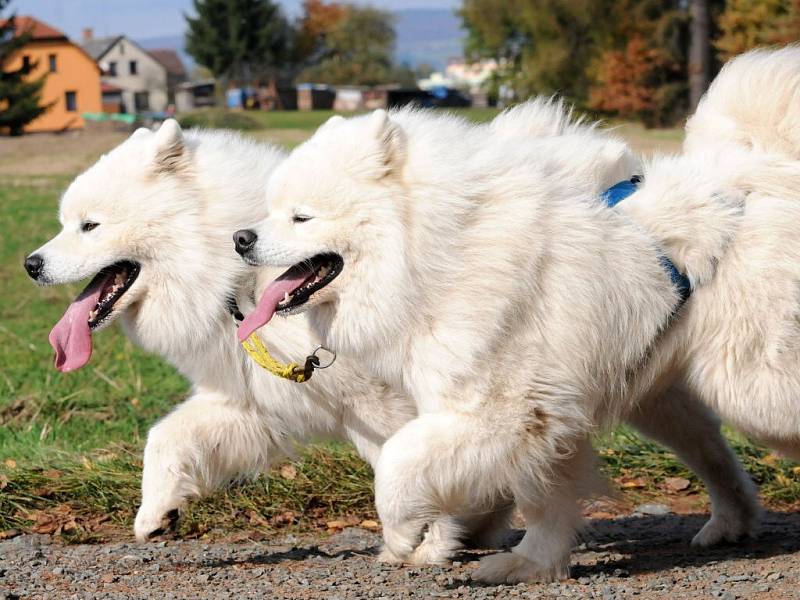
{"x": 153, "y": 218}
{"x": 480, "y": 271}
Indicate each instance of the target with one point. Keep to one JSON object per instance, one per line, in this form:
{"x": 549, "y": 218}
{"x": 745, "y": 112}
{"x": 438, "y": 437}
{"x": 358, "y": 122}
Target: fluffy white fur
{"x": 483, "y": 276}
{"x": 752, "y": 103}
{"x": 170, "y": 201}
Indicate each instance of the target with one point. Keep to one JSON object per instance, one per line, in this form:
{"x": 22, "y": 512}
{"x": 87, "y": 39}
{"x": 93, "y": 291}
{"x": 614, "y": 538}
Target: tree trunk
{"x": 699, "y": 51}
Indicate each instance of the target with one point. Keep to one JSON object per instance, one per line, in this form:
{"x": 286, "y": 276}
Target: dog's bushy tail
{"x": 754, "y": 103}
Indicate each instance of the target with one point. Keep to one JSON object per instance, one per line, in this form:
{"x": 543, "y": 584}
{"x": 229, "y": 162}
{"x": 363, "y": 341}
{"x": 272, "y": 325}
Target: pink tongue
{"x": 265, "y": 309}
{"x": 71, "y": 337}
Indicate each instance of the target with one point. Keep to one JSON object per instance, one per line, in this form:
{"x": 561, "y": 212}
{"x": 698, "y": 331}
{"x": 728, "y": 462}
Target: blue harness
{"x": 616, "y": 194}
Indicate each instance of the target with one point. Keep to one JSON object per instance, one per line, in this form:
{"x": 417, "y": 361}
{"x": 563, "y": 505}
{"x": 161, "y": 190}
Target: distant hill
{"x": 423, "y": 36}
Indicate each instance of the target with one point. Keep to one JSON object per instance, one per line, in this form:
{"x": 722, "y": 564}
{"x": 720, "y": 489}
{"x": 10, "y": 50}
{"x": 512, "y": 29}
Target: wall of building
{"x": 75, "y": 72}
{"x": 150, "y": 77}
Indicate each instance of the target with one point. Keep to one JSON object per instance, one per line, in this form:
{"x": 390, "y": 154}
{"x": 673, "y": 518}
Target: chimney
{"x": 88, "y": 34}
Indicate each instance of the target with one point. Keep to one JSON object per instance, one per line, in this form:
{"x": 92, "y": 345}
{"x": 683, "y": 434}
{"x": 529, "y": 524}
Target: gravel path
{"x": 642, "y": 557}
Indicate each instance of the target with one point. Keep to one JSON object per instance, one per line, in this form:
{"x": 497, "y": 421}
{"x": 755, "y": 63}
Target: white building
{"x": 141, "y": 79}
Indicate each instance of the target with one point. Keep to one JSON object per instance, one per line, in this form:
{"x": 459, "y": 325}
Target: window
{"x": 71, "y": 100}
{"x": 112, "y": 69}
{"x": 51, "y": 58}
{"x": 132, "y": 67}
{"x": 26, "y": 64}
{"x": 141, "y": 101}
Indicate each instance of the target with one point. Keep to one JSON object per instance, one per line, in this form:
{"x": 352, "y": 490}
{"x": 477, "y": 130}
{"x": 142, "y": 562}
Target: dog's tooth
{"x": 285, "y": 296}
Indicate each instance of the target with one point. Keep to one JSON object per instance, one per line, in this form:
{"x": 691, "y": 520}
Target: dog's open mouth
{"x": 71, "y": 337}
{"x": 292, "y": 290}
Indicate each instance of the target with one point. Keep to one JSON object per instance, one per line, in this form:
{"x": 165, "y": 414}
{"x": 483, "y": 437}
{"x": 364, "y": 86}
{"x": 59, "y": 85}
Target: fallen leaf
{"x": 601, "y": 514}
{"x": 796, "y": 470}
{"x": 783, "y": 480}
{"x": 3, "y": 481}
{"x": 257, "y": 519}
{"x": 52, "y": 474}
{"x": 336, "y": 524}
{"x": 370, "y": 524}
{"x": 9, "y": 533}
{"x": 288, "y": 472}
{"x": 770, "y": 460}
{"x": 10, "y": 463}
{"x": 632, "y": 483}
{"x": 108, "y": 578}
{"x": 676, "y": 484}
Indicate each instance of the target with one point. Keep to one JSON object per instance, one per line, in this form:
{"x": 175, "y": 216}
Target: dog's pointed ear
{"x": 141, "y": 132}
{"x": 170, "y": 148}
{"x": 332, "y": 121}
{"x": 391, "y": 142}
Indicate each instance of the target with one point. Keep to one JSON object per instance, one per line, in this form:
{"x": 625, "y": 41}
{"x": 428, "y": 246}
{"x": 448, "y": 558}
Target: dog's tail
{"x": 754, "y": 103}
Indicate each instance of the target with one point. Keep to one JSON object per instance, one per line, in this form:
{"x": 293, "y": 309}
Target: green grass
{"x": 70, "y": 445}
{"x": 297, "y": 120}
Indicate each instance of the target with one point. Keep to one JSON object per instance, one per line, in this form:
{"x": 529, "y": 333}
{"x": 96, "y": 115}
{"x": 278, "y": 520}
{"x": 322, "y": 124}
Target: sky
{"x": 142, "y": 19}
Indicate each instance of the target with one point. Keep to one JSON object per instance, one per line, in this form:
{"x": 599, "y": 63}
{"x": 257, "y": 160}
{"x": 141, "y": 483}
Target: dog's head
{"x": 336, "y": 209}
{"x": 110, "y": 216}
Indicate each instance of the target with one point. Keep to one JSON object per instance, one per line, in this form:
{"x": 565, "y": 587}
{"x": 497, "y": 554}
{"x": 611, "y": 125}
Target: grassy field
{"x": 70, "y": 445}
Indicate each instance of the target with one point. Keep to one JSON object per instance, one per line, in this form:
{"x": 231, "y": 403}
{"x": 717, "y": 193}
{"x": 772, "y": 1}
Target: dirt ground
{"x": 643, "y": 557}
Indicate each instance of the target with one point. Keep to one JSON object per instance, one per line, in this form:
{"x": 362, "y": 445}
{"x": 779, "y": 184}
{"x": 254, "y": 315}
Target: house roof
{"x": 39, "y": 30}
{"x": 170, "y": 61}
{"x": 97, "y": 47}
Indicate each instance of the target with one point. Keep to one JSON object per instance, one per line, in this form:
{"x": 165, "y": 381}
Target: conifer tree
{"x": 238, "y": 40}
{"x": 20, "y": 96}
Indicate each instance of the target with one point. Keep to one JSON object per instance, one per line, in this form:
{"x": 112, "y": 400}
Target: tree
{"x": 543, "y": 46}
{"x": 319, "y": 20}
{"x": 628, "y": 82}
{"x": 699, "y": 51}
{"x": 20, "y": 97}
{"x": 746, "y": 24}
{"x": 239, "y": 40}
{"x": 357, "y": 50}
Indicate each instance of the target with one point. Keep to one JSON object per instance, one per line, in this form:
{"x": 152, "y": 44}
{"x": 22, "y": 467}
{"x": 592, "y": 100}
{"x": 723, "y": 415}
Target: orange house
{"x": 73, "y": 78}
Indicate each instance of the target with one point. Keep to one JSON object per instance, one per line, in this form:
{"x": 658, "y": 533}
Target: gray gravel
{"x": 642, "y": 557}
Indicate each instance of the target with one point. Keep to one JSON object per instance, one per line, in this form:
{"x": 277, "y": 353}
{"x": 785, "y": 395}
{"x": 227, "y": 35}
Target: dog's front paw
{"x": 388, "y": 557}
{"x": 152, "y": 523}
{"x": 509, "y": 567}
{"x": 721, "y": 529}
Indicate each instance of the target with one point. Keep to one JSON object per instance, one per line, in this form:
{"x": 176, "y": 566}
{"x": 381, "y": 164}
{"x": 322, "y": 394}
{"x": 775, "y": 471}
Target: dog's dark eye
{"x": 88, "y": 225}
{"x": 301, "y": 218}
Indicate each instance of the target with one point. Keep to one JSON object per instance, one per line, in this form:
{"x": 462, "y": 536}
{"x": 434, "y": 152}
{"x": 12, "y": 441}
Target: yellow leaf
{"x": 288, "y": 472}
{"x": 783, "y": 480}
{"x": 10, "y": 463}
{"x": 370, "y": 524}
{"x": 336, "y": 524}
{"x": 769, "y": 459}
{"x": 796, "y": 470}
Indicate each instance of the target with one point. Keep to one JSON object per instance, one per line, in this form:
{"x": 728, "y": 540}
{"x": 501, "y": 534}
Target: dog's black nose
{"x": 244, "y": 240}
{"x": 34, "y": 265}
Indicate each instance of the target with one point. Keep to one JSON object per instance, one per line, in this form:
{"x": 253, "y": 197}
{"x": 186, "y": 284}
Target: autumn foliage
{"x": 626, "y": 83}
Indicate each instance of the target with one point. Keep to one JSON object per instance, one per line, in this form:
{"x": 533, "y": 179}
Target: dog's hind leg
{"x": 552, "y": 521}
{"x": 204, "y": 443}
{"x": 687, "y": 427}
{"x": 444, "y": 464}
